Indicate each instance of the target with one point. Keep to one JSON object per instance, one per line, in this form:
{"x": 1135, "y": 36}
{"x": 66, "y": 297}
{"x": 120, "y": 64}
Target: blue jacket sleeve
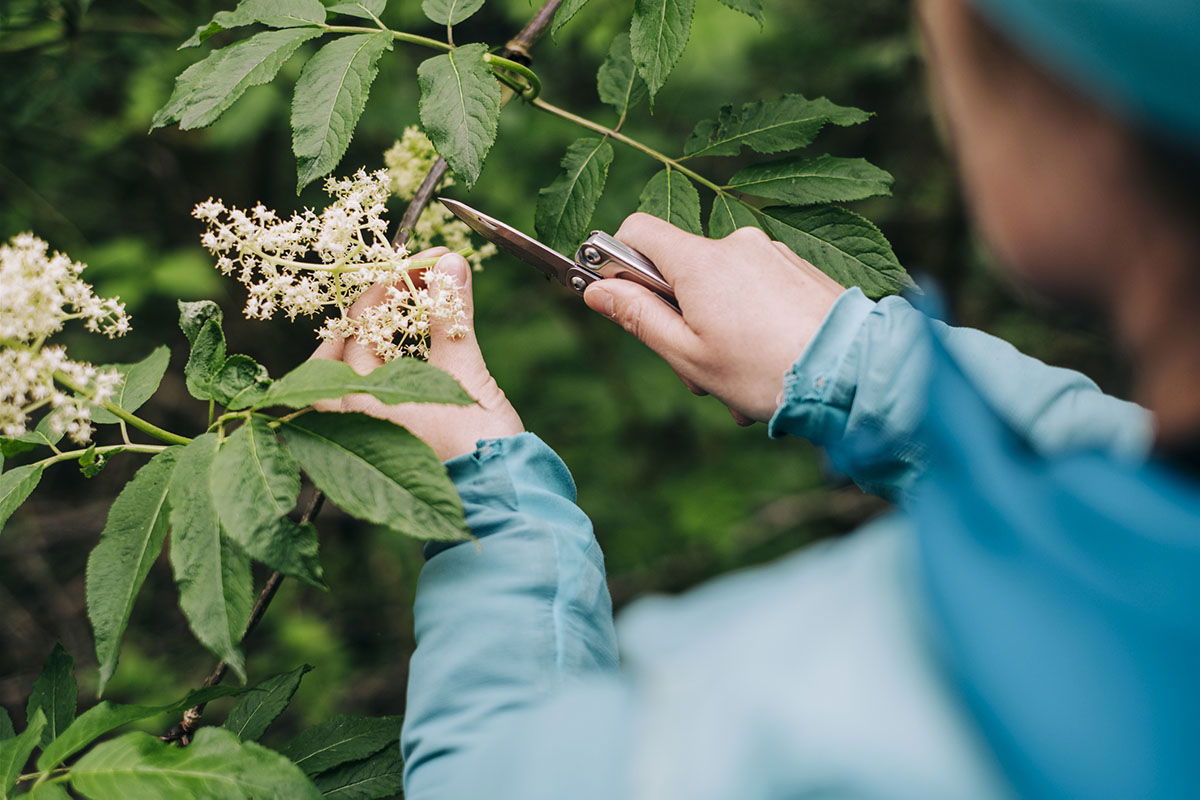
{"x": 866, "y": 369}
{"x": 503, "y": 622}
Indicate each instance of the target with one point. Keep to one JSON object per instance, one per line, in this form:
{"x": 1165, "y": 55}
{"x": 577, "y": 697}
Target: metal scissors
{"x": 600, "y": 256}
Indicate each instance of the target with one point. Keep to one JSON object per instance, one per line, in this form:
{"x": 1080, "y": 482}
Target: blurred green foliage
{"x": 676, "y": 491}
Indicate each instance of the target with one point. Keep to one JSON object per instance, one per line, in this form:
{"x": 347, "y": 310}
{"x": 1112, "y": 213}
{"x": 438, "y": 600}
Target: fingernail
{"x": 455, "y": 266}
{"x": 602, "y": 301}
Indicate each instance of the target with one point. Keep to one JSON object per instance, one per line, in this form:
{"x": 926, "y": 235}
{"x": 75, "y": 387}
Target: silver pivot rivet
{"x": 591, "y": 255}
{"x": 578, "y": 283}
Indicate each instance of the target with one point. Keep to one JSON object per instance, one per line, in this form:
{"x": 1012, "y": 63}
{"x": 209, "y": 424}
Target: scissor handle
{"x": 604, "y": 257}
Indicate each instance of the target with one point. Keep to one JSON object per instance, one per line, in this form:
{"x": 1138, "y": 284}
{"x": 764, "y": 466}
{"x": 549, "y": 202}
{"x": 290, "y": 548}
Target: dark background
{"x": 677, "y": 492}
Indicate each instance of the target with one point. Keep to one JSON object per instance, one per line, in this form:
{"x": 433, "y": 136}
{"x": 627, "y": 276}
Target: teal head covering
{"x": 1140, "y": 58}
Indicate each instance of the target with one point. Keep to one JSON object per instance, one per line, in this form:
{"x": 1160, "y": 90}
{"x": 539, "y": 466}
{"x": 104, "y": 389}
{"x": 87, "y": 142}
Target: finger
{"x": 790, "y": 254}
{"x": 431, "y": 252}
{"x": 452, "y": 342}
{"x": 645, "y": 315}
{"x": 693, "y": 388}
{"x": 329, "y": 350}
{"x": 661, "y": 242}
{"x": 741, "y": 419}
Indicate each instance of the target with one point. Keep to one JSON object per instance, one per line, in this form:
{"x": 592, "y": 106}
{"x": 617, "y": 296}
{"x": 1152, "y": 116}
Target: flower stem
{"x": 120, "y": 413}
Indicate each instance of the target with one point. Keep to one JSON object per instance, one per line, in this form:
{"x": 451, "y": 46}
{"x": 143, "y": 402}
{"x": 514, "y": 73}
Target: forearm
{"x": 502, "y": 622}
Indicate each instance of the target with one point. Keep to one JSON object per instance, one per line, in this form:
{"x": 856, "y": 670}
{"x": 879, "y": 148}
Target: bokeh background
{"x": 677, "y": 492}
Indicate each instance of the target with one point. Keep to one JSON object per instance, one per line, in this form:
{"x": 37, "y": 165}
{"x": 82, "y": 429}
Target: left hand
{"x": 450, "y": 430}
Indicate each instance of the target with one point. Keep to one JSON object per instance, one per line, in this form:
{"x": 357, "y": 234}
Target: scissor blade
{"x": 512, "y": 241}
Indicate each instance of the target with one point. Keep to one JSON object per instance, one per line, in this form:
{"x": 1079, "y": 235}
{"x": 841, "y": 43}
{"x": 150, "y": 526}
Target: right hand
{"x": 749, "y": 308}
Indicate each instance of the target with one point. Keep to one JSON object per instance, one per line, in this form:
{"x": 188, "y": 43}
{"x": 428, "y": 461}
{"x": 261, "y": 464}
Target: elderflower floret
{"x": 309, "y": 264}
{"x": 42, "y": 291}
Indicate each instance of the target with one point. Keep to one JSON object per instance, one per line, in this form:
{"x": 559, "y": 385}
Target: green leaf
{"x": 48, "y": 791}
{"x": 6, "y": 726}
{"x": 206, "y": 90}
{"x": 329, "y": 98}
{"x": 42, "y": 435}
{"x": 566, "y": 11}
{"x": 139, "y": 382}
{"x": 240, "y": 382}
{"x": 842, "y": 244}
{"x": 129, "y": 544}
{"x": 565, "y": 207}
{"x": 273, "y": 13}
{"x": 658, "y": 35}
{"x": 341, "y": 739}
{"x": 671, "y": 196}
{"x": 367, "y": 9}
{"x": 15, "y": 487}
{"x": 215, "y": 766}
{"x": 450, "y": 12}
{"x": 402, "y": 380}
{"x": 381, "y": 775}
{"x": 215, "y": 587}
{"x": 91, "y": 463}
{"x": 105, "y": 716}
{"x": 753, "y": 8}
{"x": 460, "y": 108}
{"x": 201, "y": 323}
{"x": 808, "y": 181}
{"x": 769, "y": 126}
{"x": 54, "y": 693}
{"x": 618, "y": 81}
{"x": 727, "y": 215}
{"x": 378, "y": 472}
{"x": 15, "y": 752}
{"x": 262, "y": 705}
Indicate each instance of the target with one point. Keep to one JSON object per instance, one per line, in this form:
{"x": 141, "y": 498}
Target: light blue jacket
{"x": 816, "y": 676}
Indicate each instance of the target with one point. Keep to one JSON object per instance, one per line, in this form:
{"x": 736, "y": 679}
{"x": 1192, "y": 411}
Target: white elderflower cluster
{"x": 41, "y": 292}
{"x": 310, "y": 264}
{"x": 408, "y": 161}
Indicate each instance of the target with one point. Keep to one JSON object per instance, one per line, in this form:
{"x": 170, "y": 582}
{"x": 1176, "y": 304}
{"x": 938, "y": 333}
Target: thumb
{"x": 644, "y": 314}
{"x": 452, "y": 342}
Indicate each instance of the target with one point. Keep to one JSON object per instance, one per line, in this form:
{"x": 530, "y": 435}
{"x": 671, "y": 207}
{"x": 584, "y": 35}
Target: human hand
{"x": 749, "y": 308}
{"x": 450, "y": 430}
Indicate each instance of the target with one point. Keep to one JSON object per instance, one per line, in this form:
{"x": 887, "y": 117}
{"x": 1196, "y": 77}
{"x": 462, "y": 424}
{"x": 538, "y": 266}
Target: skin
{"x": 1055, "y": 185}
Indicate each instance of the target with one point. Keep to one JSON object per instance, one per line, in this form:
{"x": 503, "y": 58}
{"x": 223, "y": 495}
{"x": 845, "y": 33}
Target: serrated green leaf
{"x": 565, "y": 207}
{"x": 130, "y": 542}
{"x": 402, "y": 380}
{"x": 727, "y": 215}
{"x": 842, "y": 244}
{"x": 273, "y": 13}
{"x": 460, "y": 108}
{"x": 378, "y": 472}
{"x": 341, "y": 739}
{"x": 201, "y": 324}
{"x": 15, "y": 487}
{"x": 54, "y": 693}
{"x": 206, "y": 90}
{"x": 366, "y": 9}
{"x": 809, "y": 181}
{"x": 329, "y": 98}
{"x": 618, "y": 81}
{"x": 566, "y": 11}
{"x": 15, "y": 752}
{"x": 262, "y": 705}
{"x": 215, "y": 587}
{"x": 450, "y": 12}
{"x": 671, "y": 196}
{"x": 105, "y": 716}
{"x": 139, "y": 382}
{"x": 658, "y": 35}
{"x": 768, "y": 126}
{"x": 6, "y": 726}
{"x": 215, "y": 766}
{"x": 753, "y": 8}
{"x": 381, "y": 775}
{"x": 240, "y": 382}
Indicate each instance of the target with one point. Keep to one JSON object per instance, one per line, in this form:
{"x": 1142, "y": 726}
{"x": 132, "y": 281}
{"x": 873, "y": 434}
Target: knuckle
{"x": 749, "y": 235}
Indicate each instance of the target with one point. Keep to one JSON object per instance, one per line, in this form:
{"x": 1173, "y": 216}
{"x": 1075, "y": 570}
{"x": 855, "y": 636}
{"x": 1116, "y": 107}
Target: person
{"x": 1024, "y": 624}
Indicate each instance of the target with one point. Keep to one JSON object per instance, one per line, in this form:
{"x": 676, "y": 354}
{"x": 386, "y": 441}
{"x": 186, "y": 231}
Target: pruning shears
{"x": 600, "y": 256}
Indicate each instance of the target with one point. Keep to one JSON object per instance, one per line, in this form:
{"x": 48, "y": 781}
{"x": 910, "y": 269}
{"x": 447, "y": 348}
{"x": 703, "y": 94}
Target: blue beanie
{"x": 1140, "y": 58}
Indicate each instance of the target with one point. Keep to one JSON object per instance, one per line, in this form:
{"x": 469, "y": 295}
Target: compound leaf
{"x": 54, "y": 693}
{"x": 565, "y": 207}
{"x": 768, "y": 126}
{"x": 15, "y": 487}
{"x": 378, "y": 472}
{"x": 450, "y": 12}
{"x": 842, "y": 244}
{"x": 381, "y": 775}
{"x": 367, "y": 9}
{"x": 15, "y": 752}
{"x": 273, "y": 13}
{"x": 129, "y": 544}
{"x": 329, "y": 98}
{"x": 658, "y": 35}
{"x": 460, "y": 108}
{"x": 215, "y": 587}
{"x": 139, "y": 382}
{"x": 618, "y": 81}
{"x": 258, "y": 708}
{"x": 727, "y": 215}
{"x": 402, "y": 380}
{"x": 341, "y": 739}
{"x": 808, "y": 181}
{"x": 671, "y": 196}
